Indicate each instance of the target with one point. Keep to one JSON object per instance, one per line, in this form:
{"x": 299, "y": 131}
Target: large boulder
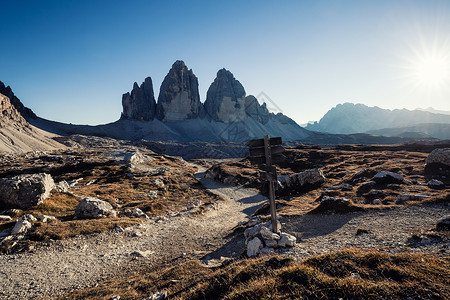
{"x": 443, "y": 223}
{"x": 388, "y": 177}
{"x": 305, "y": 179}
{"x": 92, "y": 208}
{"x": 25, "y": 191}
{"x": 439, "y": 156}
{"x": 179, "y": 98}
{"x": 225, "y": 99}
{"x": 140, "y": 104}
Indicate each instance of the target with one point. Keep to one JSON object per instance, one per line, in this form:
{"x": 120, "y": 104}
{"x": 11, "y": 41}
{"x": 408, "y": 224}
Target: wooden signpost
{"x": 263, "y": 152}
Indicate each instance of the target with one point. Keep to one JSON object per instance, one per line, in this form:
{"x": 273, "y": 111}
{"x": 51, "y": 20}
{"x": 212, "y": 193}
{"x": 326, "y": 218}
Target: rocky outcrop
{"x": 25, "y": 191}
{"x": 179, "y": 98}
{"x": 255, "y": 111}
{"x": 140, "y": 104}
{"x": 10, "y": 116}
{"x": 91, "y": 208}
{"x": 225, "y": 99}
{"x": 439, "y": 156}
{"x": 24, "y": 111}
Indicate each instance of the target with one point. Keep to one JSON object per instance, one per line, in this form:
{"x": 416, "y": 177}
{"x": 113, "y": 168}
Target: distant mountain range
{"x": 227, "y": 115}
{"x": 349, "y": 118}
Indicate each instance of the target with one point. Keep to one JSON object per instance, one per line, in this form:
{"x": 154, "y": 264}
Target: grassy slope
{"x": 344, "y": 274}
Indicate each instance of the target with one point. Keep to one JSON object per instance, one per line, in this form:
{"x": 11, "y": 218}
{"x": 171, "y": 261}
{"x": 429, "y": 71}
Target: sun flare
{"x": 432, "y": 70}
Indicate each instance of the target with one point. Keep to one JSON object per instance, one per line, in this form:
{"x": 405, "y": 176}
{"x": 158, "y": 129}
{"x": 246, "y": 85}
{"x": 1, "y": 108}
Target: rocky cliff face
{"x": 255, "y": 111}
{"x": 10, "y": 116}
{"x": 24, "y": 111}
{"x": 179, "y": 98}
{"x": 140, "y": 104}
{"x": 225, "y": 99}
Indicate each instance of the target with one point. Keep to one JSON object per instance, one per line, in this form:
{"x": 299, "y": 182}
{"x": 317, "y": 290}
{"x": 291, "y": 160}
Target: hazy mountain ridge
{"x": 350, "y": 118}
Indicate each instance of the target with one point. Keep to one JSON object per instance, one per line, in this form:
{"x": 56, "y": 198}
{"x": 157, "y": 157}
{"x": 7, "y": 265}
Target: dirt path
{"x": 83, "y": 261}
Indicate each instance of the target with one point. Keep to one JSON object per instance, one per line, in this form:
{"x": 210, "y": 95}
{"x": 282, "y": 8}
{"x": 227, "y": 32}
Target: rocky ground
{"x": 185, "y": 216}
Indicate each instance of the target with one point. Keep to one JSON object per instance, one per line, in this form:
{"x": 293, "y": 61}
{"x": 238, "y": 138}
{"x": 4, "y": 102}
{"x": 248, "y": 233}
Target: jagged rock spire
{"x": 140, "y": 104}
{"x": 179, "y": 98}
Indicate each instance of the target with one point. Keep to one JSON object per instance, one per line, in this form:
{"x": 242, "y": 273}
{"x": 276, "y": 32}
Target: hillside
{"x": 17, "y": 135}
{"x": 355, "y": 118}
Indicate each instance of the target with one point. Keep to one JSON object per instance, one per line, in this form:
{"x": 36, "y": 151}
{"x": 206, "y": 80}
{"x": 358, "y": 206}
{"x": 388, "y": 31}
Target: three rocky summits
{"x": 179, "y": 99}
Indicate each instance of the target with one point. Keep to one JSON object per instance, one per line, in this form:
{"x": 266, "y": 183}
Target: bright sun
{"x": 431, "y": 70}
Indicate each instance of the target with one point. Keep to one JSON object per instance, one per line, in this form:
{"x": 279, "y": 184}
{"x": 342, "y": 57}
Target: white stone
{"x": 45, "y": 218}
{"x": 146, "y": 253}
{"x": 21, "y": 226}
{"x": 267, "y": 234}
{"x": 25, "y": 191}
{"x": 62, "y": 186}
{"x": 158, "y": 183}
{"x": 287, "y": 240}
{"x": 310, "y": 176}
{"x": 94, "y": 208}
{"x": 138, "y": 213}
{"x": 4, "y": 218}
{"x": 254, "y": 246}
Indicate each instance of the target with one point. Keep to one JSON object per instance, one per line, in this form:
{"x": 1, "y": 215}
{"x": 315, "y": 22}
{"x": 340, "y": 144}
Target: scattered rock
{"x": 435, "y": 184}
{"x": 286, "y": 240}
{"x": 62, "y": 186}
{"x": 439, "y": 156}
{"x": 408, "y": 197}
{"x": 308, "y": 178}
{"x": 443, "y": 223}
{"x": 117, "y": 297}
{"x": 377, "y": 194}
{"x": 146, "y": 253}
{"x": 138, "y": 213}
{"x": 346, "y": 187}
{"x": 4, "y": 218}
{"x": 152, "y": 194}
{"x": 119, "y": 229}
{"x": 365, "y": 187}
{"x": 335, "y": 205}
{"x": 158, "y": 296}
{"x": 388, "y": 177}
{"x": 92, "y": 208}
{"x": 45, "y": 218}
{"x": 267, "y": 234}
{"x": 21, "y": 226}
{"x": 25, "y": 191}
{"x": 377, "y": 202}
{"x": 254, "y": 246}
{"x": 158, "y": 183}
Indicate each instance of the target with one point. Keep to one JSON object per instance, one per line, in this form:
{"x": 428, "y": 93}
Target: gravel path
{"x": 83, "y": 261}
{"x": 86, "y": 260}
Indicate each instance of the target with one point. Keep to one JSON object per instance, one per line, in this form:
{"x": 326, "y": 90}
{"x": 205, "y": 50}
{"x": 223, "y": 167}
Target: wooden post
{"x": 273, "y": 211}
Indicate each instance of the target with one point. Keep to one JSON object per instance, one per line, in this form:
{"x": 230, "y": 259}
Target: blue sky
{"x": 71, "y": 61}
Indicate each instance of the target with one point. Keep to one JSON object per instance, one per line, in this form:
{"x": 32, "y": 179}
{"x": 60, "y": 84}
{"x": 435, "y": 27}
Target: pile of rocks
{"x": 260, "y": 240}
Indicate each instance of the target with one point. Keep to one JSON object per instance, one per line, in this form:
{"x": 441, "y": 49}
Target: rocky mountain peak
{"x": 225, "y": 99}
{"x": 24, "y": 111}
{"x": 140, "y": 104}
{"x": 179, "y": 98}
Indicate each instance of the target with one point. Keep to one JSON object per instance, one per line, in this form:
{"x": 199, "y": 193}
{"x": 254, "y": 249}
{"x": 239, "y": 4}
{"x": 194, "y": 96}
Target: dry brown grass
{"x": 340, "y": 165}
{"x": 345, "y": 274}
